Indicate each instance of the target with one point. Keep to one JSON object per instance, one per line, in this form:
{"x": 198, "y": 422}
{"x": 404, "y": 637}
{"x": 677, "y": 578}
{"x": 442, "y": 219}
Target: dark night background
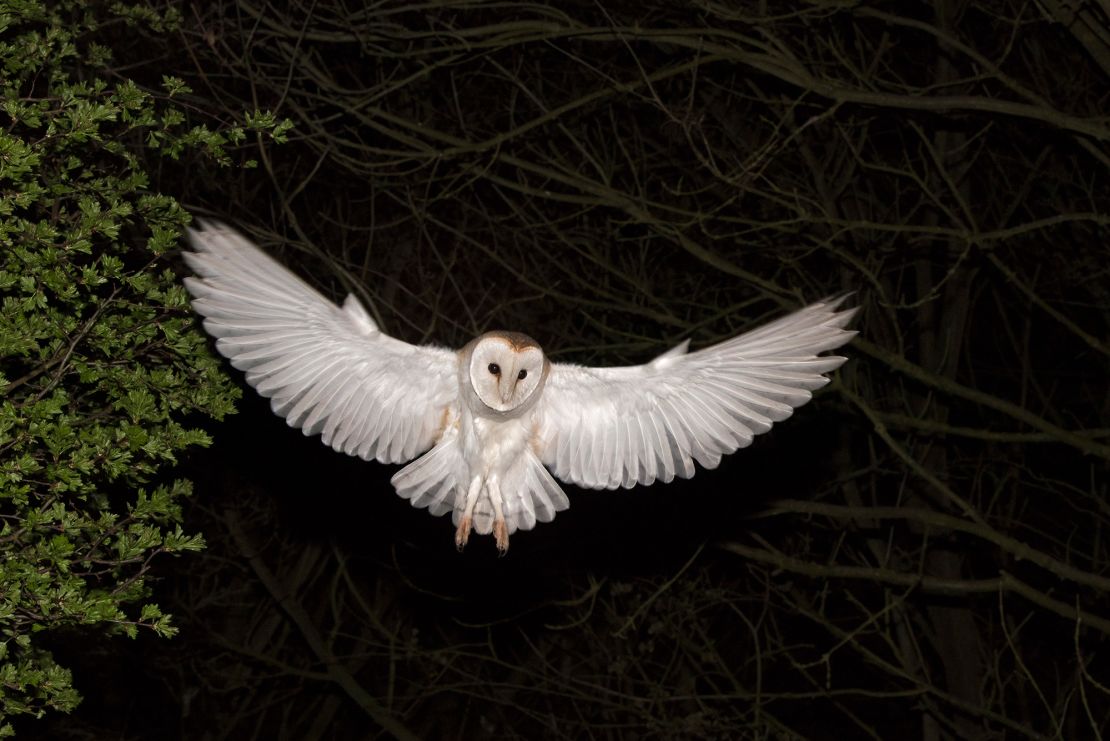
{"x": 918, "y": 553}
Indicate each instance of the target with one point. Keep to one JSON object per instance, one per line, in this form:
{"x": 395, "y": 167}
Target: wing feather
{"x": 678, "y": 428}
{"x": 661, "y": 447}
{"x": 327, "y": 369}
{"x": 622, "y": 453}
{"x": 645, "y": 450}
{"x": 610, "y": 427}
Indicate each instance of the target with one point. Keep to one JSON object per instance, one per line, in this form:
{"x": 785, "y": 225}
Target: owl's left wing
{"x": 608, "y": 427}
{"x": 327, "y": 369}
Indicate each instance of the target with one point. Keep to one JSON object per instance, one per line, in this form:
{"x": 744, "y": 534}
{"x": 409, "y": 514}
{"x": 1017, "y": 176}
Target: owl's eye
{"x": 522, "y": 374}
{"x": 495, "y": 369}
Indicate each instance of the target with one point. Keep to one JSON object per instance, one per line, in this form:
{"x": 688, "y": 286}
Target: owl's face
{"x": 506, "y": 370}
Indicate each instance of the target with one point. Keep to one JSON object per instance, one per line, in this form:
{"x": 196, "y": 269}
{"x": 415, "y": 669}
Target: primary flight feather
{"x": 489, "y": 424}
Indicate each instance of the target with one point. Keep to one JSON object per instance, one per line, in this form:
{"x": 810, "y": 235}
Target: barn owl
{"x": 489, "y": 425}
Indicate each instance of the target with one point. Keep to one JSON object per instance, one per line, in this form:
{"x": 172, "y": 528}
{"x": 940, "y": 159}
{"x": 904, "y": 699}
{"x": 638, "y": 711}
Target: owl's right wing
{"x": 327, "y": 369}
{"x": 609, "y": 427}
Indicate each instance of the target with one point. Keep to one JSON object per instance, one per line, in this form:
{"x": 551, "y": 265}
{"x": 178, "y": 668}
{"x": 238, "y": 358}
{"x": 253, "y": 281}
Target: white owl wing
{"x": 609, "y": 427}
{"x": 327, "y": 369}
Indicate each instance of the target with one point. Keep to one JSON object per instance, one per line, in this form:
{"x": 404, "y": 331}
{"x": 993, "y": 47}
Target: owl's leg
{"x": 500, "y": 529}
{"x": 462, "y": 534}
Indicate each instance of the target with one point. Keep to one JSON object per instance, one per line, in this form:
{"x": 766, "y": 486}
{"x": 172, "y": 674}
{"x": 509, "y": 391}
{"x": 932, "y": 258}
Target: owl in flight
{"x": 489, "y": 424}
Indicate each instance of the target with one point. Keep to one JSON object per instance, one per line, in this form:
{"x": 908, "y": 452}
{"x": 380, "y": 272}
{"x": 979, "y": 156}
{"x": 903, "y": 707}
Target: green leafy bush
{"x": 103, "y": 371}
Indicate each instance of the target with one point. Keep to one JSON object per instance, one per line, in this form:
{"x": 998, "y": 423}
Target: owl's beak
{"x": 506, "y": 388}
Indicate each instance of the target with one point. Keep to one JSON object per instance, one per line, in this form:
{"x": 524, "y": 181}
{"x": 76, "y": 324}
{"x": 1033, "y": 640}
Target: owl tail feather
{"x": 432, "y": 479}
{"x": 528, "y": 494}
{"x": 438, "y": 480}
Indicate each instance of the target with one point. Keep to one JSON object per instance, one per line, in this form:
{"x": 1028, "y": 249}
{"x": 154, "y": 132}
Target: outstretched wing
{"x": 609, "y": 427}
{"x": 327, "y": 369}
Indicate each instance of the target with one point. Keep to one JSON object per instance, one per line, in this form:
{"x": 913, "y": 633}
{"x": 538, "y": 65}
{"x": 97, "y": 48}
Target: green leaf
{"x": 103, "y": 362}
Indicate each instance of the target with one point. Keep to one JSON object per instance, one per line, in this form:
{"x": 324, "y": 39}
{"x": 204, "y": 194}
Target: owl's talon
{"x": 462, "y": 534}
{"x": 501, "y": 535}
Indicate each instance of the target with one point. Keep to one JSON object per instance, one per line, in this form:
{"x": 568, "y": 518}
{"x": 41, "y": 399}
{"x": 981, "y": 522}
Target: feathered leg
{"x": 500, "y": 529}
{"x": 462, "y": 534}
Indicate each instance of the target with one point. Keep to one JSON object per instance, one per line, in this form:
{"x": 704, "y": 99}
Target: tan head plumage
{"x": 505, "y": 370}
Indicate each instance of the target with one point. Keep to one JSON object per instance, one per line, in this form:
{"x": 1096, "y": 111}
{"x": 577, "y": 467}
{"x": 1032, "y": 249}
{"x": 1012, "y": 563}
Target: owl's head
{"x": 507, "y": 370}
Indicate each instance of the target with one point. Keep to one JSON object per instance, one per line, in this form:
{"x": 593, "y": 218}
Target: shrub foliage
{"x": 103, "y": 370}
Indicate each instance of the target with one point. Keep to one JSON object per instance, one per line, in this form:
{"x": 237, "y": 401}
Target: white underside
{"x": 503, "y": 474}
